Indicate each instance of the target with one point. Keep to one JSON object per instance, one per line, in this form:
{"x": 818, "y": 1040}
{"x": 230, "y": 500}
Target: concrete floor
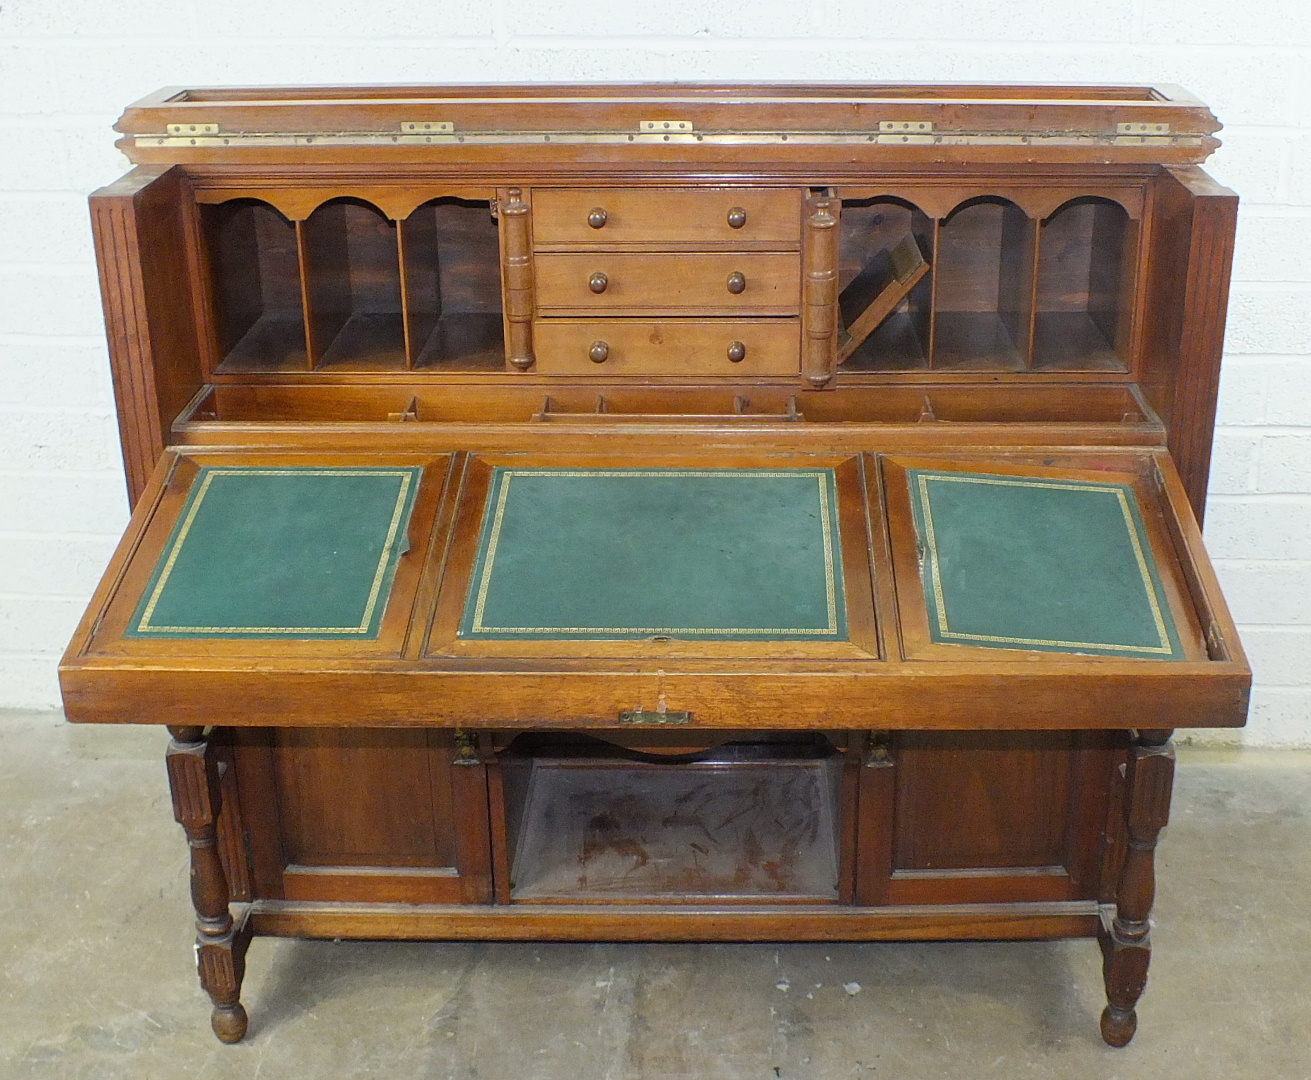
{"x": 98, "y": 978}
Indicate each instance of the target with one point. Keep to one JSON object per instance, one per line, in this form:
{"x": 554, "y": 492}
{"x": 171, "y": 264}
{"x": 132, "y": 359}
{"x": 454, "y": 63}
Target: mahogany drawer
{"x": 705, "y": 218}
{"x": 667, "y": 347}
{"x": 703, "y": 284}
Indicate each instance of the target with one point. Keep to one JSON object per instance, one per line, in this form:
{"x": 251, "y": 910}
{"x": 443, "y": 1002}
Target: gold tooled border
{"x": 380, "y": 574}
{"x": 823, "y": 476}
{"x": 940, "y": 603}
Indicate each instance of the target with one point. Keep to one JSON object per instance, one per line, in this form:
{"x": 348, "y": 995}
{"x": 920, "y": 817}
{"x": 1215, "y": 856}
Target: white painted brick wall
{"x": 68, "y": 66}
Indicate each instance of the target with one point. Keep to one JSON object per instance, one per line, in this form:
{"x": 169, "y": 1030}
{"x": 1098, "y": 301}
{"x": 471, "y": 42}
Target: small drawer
{"x": 603, "y": 347}
{"x": 728, "y": 284}
{"x": 708, "y": 218}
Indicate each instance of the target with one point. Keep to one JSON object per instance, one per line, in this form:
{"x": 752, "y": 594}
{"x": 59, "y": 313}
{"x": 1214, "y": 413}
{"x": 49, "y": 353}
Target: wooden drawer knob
{"x": 737, "y": 282}
{"x": 599, "y": 352}
{"x": 597, "y": 282}
{"x": 737, "y": 352}
{"x": 737, "y": 217}
{"x": 597, "y": 218}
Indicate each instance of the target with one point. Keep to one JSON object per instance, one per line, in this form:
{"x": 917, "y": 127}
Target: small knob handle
{"x": 737, "y": 352}
{"x": 737, "y": 217}
{"x": 599, "y": 352}
{"x": 597, "y": 282}
{"x": 597, "y": 218}
{"x": 737, "y": 282}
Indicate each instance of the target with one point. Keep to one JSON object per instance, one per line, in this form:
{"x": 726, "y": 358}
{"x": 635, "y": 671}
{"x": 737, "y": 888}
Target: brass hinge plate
{"x": 665, "y": 127}
{"x": 179, "y": 131}
{"x": 427, "y": 127}
{"x": 906, "y": 132}
{"x": 1142, "y": 134}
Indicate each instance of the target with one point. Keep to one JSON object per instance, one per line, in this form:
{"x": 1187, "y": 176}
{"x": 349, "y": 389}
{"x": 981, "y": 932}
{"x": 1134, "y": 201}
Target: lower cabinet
{"x": 366, "y": 815}
{"x": 676, "y": 820}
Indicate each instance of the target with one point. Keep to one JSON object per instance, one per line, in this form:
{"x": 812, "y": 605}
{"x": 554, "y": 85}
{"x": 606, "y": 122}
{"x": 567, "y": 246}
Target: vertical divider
{"x": 1034, "y": 228}
{"x": 849, "y": 815}
{"x": 302, "y": 254}
{"x": 933, "y": 293}
{"x": 411, "y": 351}
{"x": 1017, "y": 279}
{"x": 1126, "y": 329}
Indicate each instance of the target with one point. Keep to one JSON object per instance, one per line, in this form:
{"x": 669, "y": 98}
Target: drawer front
{"x": 667, "y": 347}
{"x": 728, "y": 284}
{"x": 705, "y": 217}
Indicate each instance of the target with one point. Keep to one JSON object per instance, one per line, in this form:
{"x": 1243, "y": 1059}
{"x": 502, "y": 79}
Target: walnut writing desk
{"x": 665, "y": 513}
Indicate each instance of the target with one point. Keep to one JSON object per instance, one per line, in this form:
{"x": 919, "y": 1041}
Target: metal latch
{"x": 659, "y": 717}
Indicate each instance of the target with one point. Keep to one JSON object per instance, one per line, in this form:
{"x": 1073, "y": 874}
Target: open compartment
{"x": 747, "y": 821}
{"x": 452, "y": 276}
{"x": 353, "y": 284}
{"x": 886, "y": 292}
{"x": 255, "y": 273}
{"x": 983, "y": 287}
{"x": 1085, "y": 265}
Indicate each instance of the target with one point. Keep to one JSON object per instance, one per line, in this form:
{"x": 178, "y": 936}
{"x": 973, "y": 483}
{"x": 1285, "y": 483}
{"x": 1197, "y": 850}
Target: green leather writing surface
{"x": 1017, "y": 562}
{"x": 637, "y": 553}
{"x": 281, "y": 552}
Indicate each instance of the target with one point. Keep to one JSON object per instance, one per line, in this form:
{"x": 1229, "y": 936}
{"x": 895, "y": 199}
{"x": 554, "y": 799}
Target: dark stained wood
{"x": 562, "y": 280}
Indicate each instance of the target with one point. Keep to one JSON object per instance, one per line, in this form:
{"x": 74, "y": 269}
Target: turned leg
{"x": 1126, "y": 943}
{"x": 193, "y": 778}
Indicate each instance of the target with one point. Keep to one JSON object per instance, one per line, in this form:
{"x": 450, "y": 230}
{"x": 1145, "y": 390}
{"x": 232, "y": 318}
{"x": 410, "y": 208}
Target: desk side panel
{"x": 142, "y": 224}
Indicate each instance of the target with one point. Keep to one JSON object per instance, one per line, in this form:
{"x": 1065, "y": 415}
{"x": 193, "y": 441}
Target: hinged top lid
{"x": 895, "y": 123}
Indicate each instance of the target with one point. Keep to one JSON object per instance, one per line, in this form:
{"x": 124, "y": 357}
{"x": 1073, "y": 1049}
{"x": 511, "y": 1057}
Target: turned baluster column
{"x": 193, "y": 778}
{"x": 1126, "y": 942}
{"x": 517, "y": 264}
{"x": 819, "y": 316}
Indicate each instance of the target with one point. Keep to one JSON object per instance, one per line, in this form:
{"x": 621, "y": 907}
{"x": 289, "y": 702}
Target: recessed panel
{"x": 636, "y": 553}
{"x": 1016, "y": 562}
{"x": 280, "y": 552}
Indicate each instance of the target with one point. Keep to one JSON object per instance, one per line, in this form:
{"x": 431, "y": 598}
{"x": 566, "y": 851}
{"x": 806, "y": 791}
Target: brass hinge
{"x": 1142, "y": 134}
{"x": 879, "y": 750}
{"x": 427, "y": 127}
{"x": 183, "y": 130}
{"x": 665, "y": 127}
{"x": 466, "y": 749}
{"x": 1137, "y": 128}
{"x": 906, "y": 132}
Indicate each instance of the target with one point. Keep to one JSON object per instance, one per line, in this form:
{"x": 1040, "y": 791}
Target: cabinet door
{"x": 369, "y": 815}
{"x": 990, "y": 817}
